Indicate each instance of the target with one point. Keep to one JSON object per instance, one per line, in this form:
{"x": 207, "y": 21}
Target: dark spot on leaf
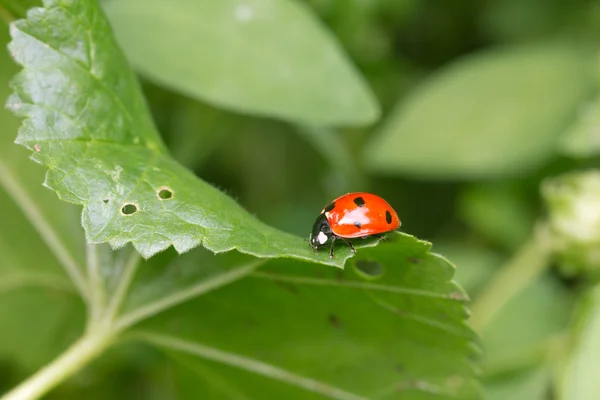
{"x": 359, "y": 201}
{"x": 329, "y": 207}
{"x": 399, "y": 367}
{"x": 358, "y": 225}
{"x": 165, "y": 194}
{"x": 129, "y": 209}
{"x": 334, "y": 321}
{"x": 388, "y": 217}
{"x": 414, "y": 260}
{"x": 106, "y": 201}
{"x": 369, "y": 267}
{"x": 251, "y": 322}
{"x": 290, "y": 287}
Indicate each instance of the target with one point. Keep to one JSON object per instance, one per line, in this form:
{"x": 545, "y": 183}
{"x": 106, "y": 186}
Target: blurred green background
{"x": 480, "y": 102}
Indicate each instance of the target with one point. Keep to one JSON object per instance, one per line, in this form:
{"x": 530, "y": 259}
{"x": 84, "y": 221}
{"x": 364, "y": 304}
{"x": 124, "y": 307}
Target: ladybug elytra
{"x": 353, "y": 215}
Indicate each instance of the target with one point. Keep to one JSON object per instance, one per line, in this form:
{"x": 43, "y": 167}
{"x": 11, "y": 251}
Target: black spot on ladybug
{"x": 358, "y": 225}
{"x": 388, "y": 217}
{"x": 359, "y": 201}
{"x": 329, "y": 207}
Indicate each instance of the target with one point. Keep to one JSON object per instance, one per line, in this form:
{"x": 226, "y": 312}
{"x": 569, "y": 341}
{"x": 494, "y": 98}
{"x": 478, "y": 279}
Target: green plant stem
{"x": 96, "y": 285}
{"x": 129, "y": 271}
{"x": 71, "y": 361}
{"x": 45, "y": 229}
{"x": 248, "y": 364}
{"x": 529, "y": 262}
{"x": 170, "y": 301}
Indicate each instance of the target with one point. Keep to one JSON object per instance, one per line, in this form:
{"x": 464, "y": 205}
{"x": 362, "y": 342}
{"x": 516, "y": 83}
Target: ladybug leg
{"x": 331, "y": 248}
{"x": 349, "y": 243}
{"x": 311, "y": 246}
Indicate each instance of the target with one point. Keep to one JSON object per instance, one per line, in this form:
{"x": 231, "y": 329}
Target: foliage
{"x": 206, "y": 137}
{"x": 379, "y": 329}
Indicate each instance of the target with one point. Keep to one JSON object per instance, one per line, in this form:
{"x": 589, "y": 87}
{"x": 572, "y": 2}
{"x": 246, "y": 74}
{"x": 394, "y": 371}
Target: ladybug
{"x": 353, "y": 215}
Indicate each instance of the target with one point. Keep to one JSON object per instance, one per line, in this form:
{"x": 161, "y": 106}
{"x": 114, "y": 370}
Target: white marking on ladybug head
{"x": 327, "y": 215}
{"x": 322, "y": 238}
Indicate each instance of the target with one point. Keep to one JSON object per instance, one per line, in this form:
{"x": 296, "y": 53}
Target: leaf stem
{"x": 248, "y": 364}
{"x": 529, "y": 262}
{"x": 129, "y": 271}
{"x": 71, "y": 361}
{"x": 45, "y": 229}
{"x": 177, "y": 298}
{"x": 96, "y": 285}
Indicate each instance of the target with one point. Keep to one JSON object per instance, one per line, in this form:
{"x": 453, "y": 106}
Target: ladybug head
{"x": 321, "y": 233}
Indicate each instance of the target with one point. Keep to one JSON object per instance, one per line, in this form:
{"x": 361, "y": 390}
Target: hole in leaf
{"x": 165, "y": 193}
{"x": 369, "y": 268}
{"x": 129, "y": 209}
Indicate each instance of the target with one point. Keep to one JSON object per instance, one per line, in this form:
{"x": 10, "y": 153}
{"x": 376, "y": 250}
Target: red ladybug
{"x": 353, "y": 215}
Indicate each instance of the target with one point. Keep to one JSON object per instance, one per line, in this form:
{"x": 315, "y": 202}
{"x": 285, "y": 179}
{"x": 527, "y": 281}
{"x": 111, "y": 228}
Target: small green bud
{"x": 573, "y": 202}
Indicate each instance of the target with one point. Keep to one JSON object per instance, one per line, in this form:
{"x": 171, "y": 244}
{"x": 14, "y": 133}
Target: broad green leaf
{"x": 475, "y": 264}
{"x": 265, "y": 57}
{"x": 393, "y": 322}
{"x": 582, "y": 138}
{"x": 92, "y": 129}
{"x": 578, "y": 380}
{"x": 498, "y": 211}
{"x": 521, "y": 339}
{"x": 289, "y": 328}
{"x": 525, "y": 325}
{"x": 531, "y": 384}
{"x": 491, "y": 114}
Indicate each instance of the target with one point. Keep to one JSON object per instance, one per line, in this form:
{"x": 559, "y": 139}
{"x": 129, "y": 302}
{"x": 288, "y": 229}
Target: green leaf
{"x": 92, "y": 129}
{"x": 391, "y": 323}
{"x": 582, "y": 138}
{"x": 578, "y": 380}
{"x": 498, "y": 211}
{"x": 531, "y": 384}
{"x": 475, "y": 264}
{"x": 265, "y": 57}
{"x": 490, "y": 114}
{"x": 337, "y": 334}
{"x": 523, "y": 329}
{"x": 521, "y": 342}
